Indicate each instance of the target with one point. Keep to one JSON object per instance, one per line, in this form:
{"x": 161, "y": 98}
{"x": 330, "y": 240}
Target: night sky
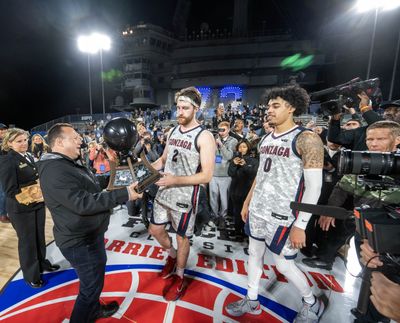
{"x": 44, "y": 76}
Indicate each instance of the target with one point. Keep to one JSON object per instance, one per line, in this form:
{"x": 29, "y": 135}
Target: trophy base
{"x": 141, "y": 172}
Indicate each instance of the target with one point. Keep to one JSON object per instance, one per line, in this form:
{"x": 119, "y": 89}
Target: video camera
{"x": 380, "y": 226}
{"x": 347, "y": 95}
{"x": 216, "y": 132}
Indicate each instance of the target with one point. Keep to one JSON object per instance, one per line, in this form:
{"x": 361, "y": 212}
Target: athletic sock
{"x": 310, "y": 299}
{"x": 251, "y": 295}
{"x": 180, "y": 271}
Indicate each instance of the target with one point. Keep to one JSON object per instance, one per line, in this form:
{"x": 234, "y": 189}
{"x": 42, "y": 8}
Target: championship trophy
{"x": 120, "y": 135}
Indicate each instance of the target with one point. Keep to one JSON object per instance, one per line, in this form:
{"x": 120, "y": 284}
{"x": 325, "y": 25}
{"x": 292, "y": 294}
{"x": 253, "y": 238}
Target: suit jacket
{"x": 16, "y": 172}
{"x": 79, "y": 207}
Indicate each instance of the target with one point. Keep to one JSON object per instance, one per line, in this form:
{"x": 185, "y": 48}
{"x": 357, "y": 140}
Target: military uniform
{"x": 18, "y": 171}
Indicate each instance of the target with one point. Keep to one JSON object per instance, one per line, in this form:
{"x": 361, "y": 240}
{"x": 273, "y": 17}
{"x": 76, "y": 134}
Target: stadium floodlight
{"x": 368, "y": 5}
{"x": 390, "y": 4}
{"x": 376, "y": 5}
{"x": 92, "y": 44}
{"x": 103, "y": 42}
{"x": 87, "y": 45}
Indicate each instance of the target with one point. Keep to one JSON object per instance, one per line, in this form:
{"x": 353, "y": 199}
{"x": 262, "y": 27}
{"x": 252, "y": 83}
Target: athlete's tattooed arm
{"x": 311, "y": 149}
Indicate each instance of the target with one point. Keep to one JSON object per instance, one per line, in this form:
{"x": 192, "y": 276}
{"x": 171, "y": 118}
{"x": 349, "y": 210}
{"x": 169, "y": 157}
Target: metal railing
{"x": 79, "y": 120}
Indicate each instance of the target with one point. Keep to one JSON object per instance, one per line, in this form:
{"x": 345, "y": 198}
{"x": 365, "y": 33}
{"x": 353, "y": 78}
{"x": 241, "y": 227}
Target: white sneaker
{"x": 243, "y": 306}
{"x": 210, "y": 225}
{"x": 310, "y": 313}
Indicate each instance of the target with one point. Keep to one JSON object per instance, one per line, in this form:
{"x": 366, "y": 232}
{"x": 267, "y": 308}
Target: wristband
{"x": 364, "y": 108}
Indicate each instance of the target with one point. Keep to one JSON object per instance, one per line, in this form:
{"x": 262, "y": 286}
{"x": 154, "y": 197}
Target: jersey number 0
{"x": 267, "y": 165}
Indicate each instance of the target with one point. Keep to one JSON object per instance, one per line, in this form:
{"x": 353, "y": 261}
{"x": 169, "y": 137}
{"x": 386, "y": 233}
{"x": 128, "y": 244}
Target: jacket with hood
{"x": 79, "y": 208}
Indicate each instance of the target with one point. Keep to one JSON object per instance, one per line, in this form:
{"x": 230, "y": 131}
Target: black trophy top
{"x": 120, "y": 134}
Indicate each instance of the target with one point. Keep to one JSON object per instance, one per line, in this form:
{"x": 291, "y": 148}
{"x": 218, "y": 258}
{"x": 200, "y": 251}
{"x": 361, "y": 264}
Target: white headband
{"x": 187, "y": 99}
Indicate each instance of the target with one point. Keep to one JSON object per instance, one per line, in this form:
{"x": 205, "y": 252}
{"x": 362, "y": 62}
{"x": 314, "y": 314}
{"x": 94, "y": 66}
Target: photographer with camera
{"x": 100, "y": 156}
{"x": 160, "y": 142}
{"x": 385, "y": 294}
{"x": 353, "y": 139}
{"x": 221, "y": 181}
{"x": 382, "y": 136}
{"x": 146, "y": 144}
{"x": 149, "y": 150}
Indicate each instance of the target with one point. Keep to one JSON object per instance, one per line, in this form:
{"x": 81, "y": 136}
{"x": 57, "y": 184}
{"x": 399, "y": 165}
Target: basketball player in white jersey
{"x": 188, "y": 160}
{"x": 291, "y": 160}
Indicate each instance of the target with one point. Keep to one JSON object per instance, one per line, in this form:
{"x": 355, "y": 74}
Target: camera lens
{"x": 369, "y": 163}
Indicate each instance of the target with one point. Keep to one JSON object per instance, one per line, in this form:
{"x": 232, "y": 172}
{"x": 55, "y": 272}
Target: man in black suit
{"x": 81, "y": 214}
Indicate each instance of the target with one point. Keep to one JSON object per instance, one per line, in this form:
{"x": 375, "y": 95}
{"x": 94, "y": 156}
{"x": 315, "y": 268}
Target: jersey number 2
{"x": 175, "y": 156}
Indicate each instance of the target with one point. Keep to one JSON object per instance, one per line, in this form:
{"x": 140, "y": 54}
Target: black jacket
{"x": 352, "y": 139}
{"x": 80, "y": 209}
{"x": 16, "y": 172}
{"x": 242, "y": 177}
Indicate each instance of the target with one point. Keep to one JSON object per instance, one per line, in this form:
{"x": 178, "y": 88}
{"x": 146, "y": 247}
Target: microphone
{"x": 333, "y": 211}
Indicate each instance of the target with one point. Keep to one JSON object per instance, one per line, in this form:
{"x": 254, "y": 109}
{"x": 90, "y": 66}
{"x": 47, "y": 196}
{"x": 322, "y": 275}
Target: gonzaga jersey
{"x": 279, "y": 179}
{"x": 183, "y": 159}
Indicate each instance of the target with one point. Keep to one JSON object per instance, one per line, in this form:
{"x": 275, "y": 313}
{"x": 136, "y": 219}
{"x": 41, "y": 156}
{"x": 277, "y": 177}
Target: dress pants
{"x": 89, "y": 261}
{"x": 219, "y": 192}
{"x": 237, "y": 205}
{"x": 31, "y": 242}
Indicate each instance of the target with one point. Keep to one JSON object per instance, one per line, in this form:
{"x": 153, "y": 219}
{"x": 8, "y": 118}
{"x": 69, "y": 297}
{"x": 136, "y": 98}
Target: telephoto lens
{"x": 369, "y": 163}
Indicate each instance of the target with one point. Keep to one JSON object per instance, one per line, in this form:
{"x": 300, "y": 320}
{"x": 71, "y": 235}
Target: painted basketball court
{"x": 217, "y": 275}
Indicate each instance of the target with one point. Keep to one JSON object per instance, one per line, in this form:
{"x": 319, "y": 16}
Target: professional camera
{"x": 147, "y": 141}
{"x": 370, "y": 87}
{"x": 369, "y": 163}
{"x": 380, "y": 226}
{"x": 216, "y": 132}
{"x": 346, "y": 95}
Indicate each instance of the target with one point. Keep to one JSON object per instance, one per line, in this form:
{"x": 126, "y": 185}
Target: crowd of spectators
{"x": 237, "y": 132}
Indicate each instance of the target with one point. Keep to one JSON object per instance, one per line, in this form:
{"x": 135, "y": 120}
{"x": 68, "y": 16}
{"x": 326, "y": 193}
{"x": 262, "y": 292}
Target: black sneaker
{"x": 316, "y": 262}
{"x": 108, "y": 310}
